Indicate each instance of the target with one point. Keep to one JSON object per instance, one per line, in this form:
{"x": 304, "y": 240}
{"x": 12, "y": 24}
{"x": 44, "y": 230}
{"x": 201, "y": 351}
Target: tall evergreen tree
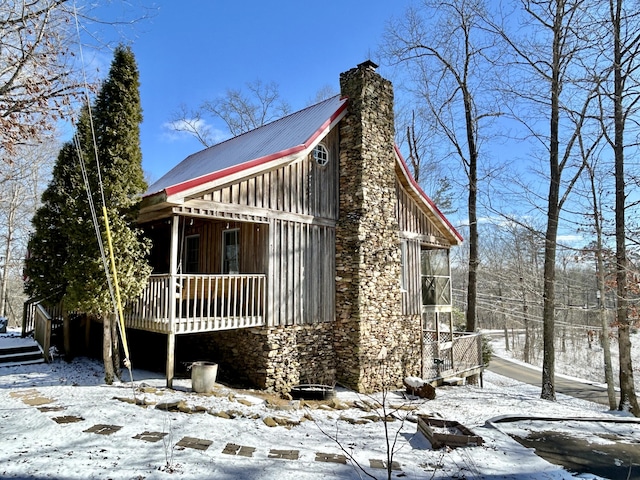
{"x": 66, "y": 254}
{"x": 47, "y": 246}
{"x": 120, "y": 182}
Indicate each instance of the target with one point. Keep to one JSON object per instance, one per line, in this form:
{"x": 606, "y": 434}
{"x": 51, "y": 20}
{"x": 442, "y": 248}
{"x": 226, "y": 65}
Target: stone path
{"x": 32, "y": 397}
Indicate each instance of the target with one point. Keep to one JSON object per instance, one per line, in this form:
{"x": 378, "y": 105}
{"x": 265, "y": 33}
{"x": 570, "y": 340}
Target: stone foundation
{"x": 270, "y": 358}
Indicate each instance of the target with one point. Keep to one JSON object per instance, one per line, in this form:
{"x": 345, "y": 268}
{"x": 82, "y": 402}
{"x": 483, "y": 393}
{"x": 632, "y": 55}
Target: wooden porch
{"x": 198, "y": 303}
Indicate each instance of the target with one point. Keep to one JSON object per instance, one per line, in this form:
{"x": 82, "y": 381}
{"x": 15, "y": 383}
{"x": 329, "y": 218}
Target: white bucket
{"x": 203, "y": 376}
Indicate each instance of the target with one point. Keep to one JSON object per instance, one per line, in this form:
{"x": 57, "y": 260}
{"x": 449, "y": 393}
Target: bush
{"x": 487, "y": 351}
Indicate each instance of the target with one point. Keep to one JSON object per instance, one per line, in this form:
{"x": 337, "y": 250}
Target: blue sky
{"x": 189, "y": 51}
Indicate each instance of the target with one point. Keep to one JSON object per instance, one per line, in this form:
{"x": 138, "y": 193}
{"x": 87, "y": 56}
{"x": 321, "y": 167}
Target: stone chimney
{"x": 369, "y": 351}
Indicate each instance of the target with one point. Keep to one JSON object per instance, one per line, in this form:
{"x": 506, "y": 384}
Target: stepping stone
{"x": 24, "y": 393}
{"x": 331, "y": 458}
{"x": 31, "y": 397}
{"x": 51, "y": 409}
{"x": 102, "y": 429}
{"x": 285, "y": 454}
{"x": 151, "y": 436}
{"x": 38, "y": 400}
{"x": 240, "y": 450}
{"x": 381, "y": 464}
{"x": 67, "y": 419}
{"x": 196, "y": 443}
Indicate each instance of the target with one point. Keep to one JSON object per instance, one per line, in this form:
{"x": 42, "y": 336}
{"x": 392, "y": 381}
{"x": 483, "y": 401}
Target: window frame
{"x": 187, "y": 262}
{"x": 321, "y": 155}
{"x": 226, "y": 262}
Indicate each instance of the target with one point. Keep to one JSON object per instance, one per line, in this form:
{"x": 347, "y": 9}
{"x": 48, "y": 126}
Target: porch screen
{"x": 230, "y": 251}
{"x": 436, "y": 277}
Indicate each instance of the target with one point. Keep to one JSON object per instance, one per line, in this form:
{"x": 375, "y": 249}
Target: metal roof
{"x": 271, "y": 141}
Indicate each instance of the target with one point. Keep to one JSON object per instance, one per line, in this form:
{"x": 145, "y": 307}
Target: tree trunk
{"x": 107, "y": 352}
{"x": 553, "y": 214}
{"x": 628, "y": 400}
{"x": 602, "y": 313}
{"x": 10, "y": 227}
{"x": 66, "y": 334}
{"x": 606, "y": 341}
{"x": 472, "y": 287}
{"x": 504, "y": 320}
{"x": 115, "y": 345}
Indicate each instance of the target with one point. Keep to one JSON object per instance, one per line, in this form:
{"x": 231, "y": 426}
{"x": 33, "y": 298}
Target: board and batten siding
{"x": 301, "y": 285}
{"x": 253, "y": 241}
{"x": 416, "y": 230}
{"x": 302, "y": 187}
{"x": 300, "y": 201}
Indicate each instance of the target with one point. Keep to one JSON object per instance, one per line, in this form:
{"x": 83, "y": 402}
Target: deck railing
{"x": 198, "y": 303}
{"x": 451, "y": 355}
{"x": 29, "y": 314}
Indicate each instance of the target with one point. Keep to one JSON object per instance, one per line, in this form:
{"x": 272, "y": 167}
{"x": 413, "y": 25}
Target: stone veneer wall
{"x": 271, "y": 358}
{"x": 375, "y": 345}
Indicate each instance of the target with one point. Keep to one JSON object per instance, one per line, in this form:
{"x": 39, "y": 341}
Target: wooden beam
{"x": 175, "y": 230}
{"x": 258, "y": 215}
{"x": 171, "y": 350}
{"x": 173, "y": 270}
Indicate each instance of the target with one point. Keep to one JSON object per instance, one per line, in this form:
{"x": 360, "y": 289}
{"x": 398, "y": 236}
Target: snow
{"x": 580, "y": 362}
{"x": 36, "y": 446}
{"x": 414, "y": 382}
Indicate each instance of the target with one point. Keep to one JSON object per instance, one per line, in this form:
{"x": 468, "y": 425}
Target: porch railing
{"x": 198, "y": 303}
{"x": 29, "y": 314}
{"x": 451, "y": 354}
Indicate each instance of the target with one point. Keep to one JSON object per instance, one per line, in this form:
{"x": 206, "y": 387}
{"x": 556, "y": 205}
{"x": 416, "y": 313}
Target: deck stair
{"x": 23, "y": 352}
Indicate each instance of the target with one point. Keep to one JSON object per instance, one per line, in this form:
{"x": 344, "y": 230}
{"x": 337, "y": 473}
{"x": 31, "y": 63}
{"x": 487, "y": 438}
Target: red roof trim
{"x": 328, "y": 123}
{"x": 194, "y": 182}
{"x": 415, "y": 185}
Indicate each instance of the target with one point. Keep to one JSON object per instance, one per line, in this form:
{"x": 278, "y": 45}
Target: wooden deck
{"x": 198, "y": 303}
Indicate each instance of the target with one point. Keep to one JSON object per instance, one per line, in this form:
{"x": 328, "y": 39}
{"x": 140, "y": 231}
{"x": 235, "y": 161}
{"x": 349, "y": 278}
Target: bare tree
{"x": 325, "y": 92}
{"x": 21, "y": 183}
{"x": 428, "y": 169}
{"x": 598, "y": 253}
{"x": 240, "y": 111}
{"x": 548, "y": 52}
{"x": 451, "y": 59}
{"x": 40, "y": 75}
{"x": 36, "y": 80}
{"x": 623, "y": 25}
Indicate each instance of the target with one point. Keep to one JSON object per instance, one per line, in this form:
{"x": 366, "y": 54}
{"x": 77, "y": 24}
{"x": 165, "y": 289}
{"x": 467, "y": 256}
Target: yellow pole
{"x": 117, "y": 289}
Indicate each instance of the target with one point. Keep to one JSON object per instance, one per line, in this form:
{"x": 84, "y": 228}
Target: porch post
{"x": 175, "y": 228}
{"x": 171, "y": 347}
{"x": 173, "y": 271}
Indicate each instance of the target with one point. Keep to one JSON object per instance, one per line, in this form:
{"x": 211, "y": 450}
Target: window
{"x": 321, "y": 154}
{"x": 436, "y": 277}
{"x": 192, "y": 254}
{"x": 231, "y": 251}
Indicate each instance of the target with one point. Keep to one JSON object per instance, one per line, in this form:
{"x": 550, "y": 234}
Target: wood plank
{"x": 260, "y": 191}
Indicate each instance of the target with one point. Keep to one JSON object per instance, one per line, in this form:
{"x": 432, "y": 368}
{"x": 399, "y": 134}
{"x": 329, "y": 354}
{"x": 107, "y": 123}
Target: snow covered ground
{"x": 60, "y": 421}
{"x": 577, "y": 360}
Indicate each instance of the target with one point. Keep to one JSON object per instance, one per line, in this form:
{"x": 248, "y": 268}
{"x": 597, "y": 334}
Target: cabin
{"x": 304, "y": 252}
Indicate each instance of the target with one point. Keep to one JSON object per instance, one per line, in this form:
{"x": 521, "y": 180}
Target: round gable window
{"x": 321, "y": 154}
